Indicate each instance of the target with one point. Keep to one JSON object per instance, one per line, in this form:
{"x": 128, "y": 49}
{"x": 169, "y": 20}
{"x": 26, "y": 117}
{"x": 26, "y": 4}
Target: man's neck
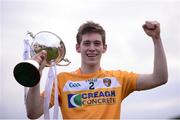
{"x": 89, "y": 69}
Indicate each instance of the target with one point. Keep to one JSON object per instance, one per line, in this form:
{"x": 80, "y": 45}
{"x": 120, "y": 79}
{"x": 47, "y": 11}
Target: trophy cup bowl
{"x": 27, "y": 72}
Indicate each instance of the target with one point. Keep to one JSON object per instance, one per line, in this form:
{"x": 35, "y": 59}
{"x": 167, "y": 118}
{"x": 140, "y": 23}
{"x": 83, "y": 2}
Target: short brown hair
{"x": 90, "y": 27}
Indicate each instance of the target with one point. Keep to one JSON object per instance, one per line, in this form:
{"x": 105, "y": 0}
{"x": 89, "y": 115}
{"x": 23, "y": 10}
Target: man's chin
{"x": 92, "y": 63}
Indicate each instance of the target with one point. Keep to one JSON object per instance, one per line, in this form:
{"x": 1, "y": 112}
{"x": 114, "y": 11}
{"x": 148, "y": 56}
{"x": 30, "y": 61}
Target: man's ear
{"x": 104, "y": 48}
{"x": 78, "y": 48}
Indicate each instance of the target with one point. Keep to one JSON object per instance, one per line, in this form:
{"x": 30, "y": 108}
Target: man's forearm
{"x": 34, "y": 103}
{"x": 160, "y": 65}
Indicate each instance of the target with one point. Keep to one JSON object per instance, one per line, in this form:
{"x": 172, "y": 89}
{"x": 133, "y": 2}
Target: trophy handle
{"x": 65, "y": 60}
{"x": 30, "y": 34}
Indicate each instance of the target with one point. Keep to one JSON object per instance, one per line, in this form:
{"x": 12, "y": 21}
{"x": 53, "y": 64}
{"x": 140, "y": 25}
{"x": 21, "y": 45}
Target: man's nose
{"x": 91, "y": 47}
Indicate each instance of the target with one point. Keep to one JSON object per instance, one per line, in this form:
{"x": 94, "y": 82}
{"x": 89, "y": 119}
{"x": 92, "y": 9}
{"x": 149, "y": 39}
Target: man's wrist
{"x": 156, "y": 38}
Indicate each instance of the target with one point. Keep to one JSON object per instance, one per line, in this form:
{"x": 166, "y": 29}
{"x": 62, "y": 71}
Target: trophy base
{"x": 27, "y": 73}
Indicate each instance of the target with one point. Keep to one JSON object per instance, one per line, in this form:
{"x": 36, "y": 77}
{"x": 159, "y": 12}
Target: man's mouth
{"x": 91, "y": 55}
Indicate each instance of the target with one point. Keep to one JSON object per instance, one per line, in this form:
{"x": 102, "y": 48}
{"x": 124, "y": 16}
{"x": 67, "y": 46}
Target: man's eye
{"x": 86, "y": 43}
{"x": 97, "y": 43}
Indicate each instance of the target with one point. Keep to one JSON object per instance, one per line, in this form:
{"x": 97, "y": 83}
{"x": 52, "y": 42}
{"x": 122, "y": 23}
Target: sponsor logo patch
{"x": 91, "y": 98}
{"x": 74, "y": 100}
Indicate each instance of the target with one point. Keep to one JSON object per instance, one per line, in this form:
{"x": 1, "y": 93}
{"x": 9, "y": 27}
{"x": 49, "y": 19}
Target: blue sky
{"x": 129, "y": 48}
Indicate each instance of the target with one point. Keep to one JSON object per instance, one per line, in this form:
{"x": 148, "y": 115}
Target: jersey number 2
{"x": 91, "y": 87}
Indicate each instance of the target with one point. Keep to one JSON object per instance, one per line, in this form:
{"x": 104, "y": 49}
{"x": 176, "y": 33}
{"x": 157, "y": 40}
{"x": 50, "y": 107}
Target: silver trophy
{"x": 27, "y": 72}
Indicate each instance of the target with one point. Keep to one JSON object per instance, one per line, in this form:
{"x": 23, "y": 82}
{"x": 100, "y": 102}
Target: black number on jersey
{"x": 91, "y": 87}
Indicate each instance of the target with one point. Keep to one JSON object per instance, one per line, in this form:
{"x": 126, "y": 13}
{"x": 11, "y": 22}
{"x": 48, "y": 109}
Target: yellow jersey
{"x": 96, "y": 95}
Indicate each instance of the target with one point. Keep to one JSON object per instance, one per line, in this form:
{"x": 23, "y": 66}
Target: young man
{"x": 91, "y": 92}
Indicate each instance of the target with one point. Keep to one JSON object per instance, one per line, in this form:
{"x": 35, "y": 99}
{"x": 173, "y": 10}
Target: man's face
{"x": 91, "y": 49}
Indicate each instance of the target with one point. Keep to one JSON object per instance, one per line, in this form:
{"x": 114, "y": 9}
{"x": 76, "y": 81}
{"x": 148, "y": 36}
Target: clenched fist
{"x": 152, "y": 29}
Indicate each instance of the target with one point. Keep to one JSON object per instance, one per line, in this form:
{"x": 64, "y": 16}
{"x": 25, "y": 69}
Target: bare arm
{"x": 34, "y": 102}
{"x": 160, "y": 72}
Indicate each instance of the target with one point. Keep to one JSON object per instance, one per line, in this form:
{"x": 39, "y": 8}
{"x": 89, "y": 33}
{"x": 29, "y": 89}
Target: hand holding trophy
{"x": 27, "y": 72}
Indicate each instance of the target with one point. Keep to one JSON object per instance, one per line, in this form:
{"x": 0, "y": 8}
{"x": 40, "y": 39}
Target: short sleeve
{"x": 128, "y": 81}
